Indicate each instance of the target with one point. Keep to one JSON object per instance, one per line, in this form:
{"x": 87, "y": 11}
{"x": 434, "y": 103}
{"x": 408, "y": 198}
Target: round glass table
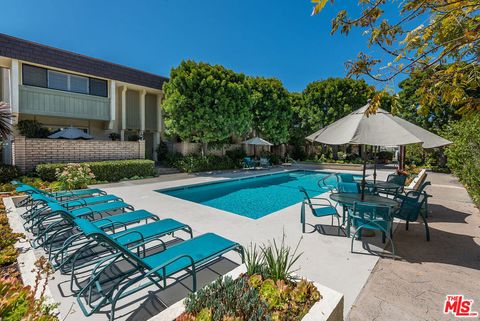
{"x": 348, "y": 199}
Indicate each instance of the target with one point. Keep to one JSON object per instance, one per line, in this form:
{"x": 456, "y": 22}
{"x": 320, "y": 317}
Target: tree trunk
{"x": 204, "y": 148}
{"x": 335, "y": 152}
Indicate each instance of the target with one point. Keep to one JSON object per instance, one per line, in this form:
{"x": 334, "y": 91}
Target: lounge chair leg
{"x": 406, "y": 226}
{"x": 383, "y": 237}
{"x": 427, "y": 230}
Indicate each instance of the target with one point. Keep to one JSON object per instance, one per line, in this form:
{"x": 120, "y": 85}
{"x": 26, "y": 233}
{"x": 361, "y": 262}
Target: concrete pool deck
{"x": 326, "y": 257}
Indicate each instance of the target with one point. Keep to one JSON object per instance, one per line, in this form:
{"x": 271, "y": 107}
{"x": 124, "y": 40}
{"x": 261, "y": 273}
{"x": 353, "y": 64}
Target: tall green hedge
{"x": 111, "y": 171}
{"x": 464, "y": 154}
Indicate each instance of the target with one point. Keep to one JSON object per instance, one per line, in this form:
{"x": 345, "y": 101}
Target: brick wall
{"x": 28, "y": 152}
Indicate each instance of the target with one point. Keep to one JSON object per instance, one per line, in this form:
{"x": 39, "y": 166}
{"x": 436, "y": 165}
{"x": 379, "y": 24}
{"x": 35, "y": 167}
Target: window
{"x": 98, "y": 87}
{"x": 41, "y": 77}
{"x": 34, "y": 76}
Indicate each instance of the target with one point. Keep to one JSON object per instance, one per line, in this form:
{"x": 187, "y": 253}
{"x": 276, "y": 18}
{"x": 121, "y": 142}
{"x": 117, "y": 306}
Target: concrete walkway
{"x": 414, "y": 287}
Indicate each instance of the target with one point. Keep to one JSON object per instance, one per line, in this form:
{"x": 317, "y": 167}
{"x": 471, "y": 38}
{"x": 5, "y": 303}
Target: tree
{"x": 5, "y": 117}
{"x": 205, "y": 103}
{"x": 328, "y": 100}
{"x": 422, "y": 36}
{"x": 272, "y": 115}
{"x": 434, "y": 118}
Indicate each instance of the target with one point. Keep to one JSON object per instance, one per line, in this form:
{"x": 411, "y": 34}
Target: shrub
{"x": 114, "y": 136}
{"x": 279, "y": 260}
{"x": 111, "y": 171}
{"x": 198, "y": 163}
{"x": 226, "y": 298}
{"x": 385, "y": 156}
{"x": 32, "y": 129}
{"x": 236, "y": 154}
{"x": 74, "y": 176}
{"x": 8, "y": 172}
{"x": 162, "y": 151}
{"x": 464, "y": 154}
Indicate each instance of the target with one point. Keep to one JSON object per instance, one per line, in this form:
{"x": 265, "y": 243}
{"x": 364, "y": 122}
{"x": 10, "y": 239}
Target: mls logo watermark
{"x": 459, "y": 306}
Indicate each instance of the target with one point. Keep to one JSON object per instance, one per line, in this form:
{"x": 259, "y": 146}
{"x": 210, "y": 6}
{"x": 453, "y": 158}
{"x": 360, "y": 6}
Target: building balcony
{"x": 50, "y": 102}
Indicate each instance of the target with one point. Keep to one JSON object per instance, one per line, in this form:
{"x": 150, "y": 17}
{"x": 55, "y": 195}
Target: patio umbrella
{"x": 380, "y": 129}
{"x": 257, "y": 141}
{"x": 70, "y": 133}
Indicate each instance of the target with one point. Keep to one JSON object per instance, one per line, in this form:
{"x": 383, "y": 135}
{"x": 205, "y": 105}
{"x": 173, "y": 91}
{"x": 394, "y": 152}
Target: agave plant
{"x": 5, "y": 117}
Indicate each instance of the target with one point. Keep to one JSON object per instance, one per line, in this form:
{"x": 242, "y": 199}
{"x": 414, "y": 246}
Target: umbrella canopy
{"x": 257, "y": 141}
{"x": 380, "y": 129}
{"x": 70, "y": 133}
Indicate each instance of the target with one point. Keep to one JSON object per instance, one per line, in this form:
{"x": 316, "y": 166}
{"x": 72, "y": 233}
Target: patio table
{"x": 348, "y": 199}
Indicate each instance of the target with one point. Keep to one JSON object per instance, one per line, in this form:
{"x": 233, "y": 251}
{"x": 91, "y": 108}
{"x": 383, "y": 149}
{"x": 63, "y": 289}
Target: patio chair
{"x": 264, "y": 162}
{"x": 412, "y": 206}
{"x": 248, "y": 163}
{"x": 321, "y": 208}
{"x": 395, "y": 179}
{"x": 345, "y": 177}
{"x": 60, "y": 195}
{"x": 60, "y": 256}
{"x": 374, "y": 217}
{"x": 417, "y": 193}
{"x": 348, "y": 187}
{"x": 147, "y": 269}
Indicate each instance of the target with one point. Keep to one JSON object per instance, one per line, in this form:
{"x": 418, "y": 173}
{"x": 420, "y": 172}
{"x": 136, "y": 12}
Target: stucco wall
{"x": 28, "y": 152}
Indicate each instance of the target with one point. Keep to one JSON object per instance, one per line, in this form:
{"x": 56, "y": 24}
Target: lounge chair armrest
{"x": 165, "y": 264}
{"x": 129, "y": 233}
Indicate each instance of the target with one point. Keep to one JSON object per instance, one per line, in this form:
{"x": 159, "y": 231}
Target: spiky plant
{"x": 5, "y": 117}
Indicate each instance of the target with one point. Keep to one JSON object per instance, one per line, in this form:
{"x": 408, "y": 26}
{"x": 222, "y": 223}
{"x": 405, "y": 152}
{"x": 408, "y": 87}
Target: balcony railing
{"x": 50, "y": 102}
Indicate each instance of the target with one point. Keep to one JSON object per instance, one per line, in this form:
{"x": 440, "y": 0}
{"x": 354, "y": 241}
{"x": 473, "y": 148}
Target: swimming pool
{"x": 253, "y": 197}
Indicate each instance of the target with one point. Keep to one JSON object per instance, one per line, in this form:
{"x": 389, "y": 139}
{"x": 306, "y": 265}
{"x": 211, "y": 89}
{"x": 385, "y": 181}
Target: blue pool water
{"x": 253, "y": 197}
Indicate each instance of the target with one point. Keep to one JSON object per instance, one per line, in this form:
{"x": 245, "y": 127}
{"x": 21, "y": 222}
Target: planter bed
{"x": 328, "y": 308}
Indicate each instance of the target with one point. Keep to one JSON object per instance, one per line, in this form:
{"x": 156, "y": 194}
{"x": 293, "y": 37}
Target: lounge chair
{"x": 60, "y": 256}
{"x": 60, "y": 195}
{"x": 320, "y": 207}
{"x": 147, "y": 269}
{"x": 372, "y": 216}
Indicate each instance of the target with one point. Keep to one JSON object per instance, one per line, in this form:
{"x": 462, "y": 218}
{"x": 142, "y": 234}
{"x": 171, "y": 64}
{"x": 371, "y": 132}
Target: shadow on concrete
{"x": 440, "y": 213}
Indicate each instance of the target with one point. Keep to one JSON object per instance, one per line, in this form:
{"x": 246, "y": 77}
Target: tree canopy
{"x": 329, "y": 100}
{"x": 272, "y": 114}
{"x": 205, "y": 103}
{"x": 422, "y": 36}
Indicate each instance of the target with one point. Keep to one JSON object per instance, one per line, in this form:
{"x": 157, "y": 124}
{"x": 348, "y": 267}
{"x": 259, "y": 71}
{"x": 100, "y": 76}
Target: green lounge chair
{"x": 318, "y": 209}
{"x": 187, "y": 256}
{"x": 59, "y": 257}
{"x": 371, "y": 216}
{"x": 60, "y": 195}
{"x": 45, "y": 216}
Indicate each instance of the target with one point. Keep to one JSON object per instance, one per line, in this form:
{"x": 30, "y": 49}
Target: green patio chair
{"x": 249, "y": 163}
{"x": 345, "y": 177}
{"x": 397, "y": 180}
{"x": 416, "y": 194}
{"x": 264, "y": 162}
{"x": 412, "y": 207}
{"x": 371, "y": 216}
{"x": 319, "y": 207}
{"x": 348, "y": 187}
{"x": 59, "y": 257}
{"x": 183, "y": 258}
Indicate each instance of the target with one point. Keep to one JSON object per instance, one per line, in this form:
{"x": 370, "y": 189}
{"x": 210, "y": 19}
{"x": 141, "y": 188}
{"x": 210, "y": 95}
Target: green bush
{"x": 74, "y": 176}
{"x": 8, "y": 172}
{"x": 385, "y": 156}
{"x": 111, "y": 171}
{"x": 162, "y": 151}
{"x": 198, "y": 163}
{"x": 32, "y": 129}
{"x": 464, "y": 154}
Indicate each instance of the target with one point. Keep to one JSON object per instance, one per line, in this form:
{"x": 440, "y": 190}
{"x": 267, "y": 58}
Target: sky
{"x": 259, "y": 38}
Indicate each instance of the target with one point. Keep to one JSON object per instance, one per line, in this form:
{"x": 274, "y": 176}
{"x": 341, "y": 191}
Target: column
{"x": 124, "y": 113}
{"x": 142, "y": 112}
{"x": 113, "y": 103}
{"x": 14, "y": 91}
{"x": 157, "y": 136}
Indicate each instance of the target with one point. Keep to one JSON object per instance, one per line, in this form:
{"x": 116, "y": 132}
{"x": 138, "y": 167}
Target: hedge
{"x": 7, "y": 173}
{"x": 111, "y": 171}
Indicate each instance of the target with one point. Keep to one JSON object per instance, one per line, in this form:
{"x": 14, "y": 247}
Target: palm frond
{"x": 5, "y": 121}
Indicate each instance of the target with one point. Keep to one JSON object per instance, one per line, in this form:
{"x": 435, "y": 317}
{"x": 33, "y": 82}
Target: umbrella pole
{"x": 374, "y": 164}
{"x": 364, "y": 171}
